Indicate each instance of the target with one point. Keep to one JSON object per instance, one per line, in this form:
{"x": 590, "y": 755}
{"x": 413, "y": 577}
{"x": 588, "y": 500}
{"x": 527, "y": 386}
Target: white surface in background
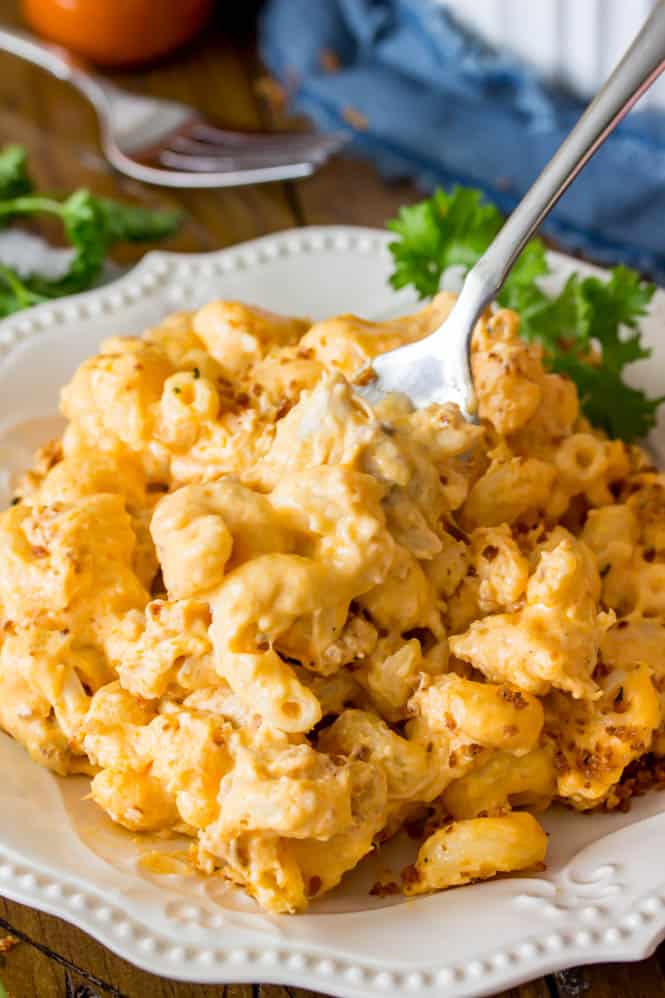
{"x": 29, "y": 254}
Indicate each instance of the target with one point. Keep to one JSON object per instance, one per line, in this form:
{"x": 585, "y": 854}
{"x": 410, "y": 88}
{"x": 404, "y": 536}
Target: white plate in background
{"x": 602, "y": 896}
{"x": 576, "y": 43}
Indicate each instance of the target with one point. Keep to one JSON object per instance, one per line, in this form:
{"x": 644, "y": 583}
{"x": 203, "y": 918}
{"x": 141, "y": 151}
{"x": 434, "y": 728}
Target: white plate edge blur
{"x": 597, "y": 901}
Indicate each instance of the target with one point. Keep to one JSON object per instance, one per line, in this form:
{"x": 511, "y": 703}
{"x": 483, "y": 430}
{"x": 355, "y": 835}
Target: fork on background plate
{"x": 170, "y": 144}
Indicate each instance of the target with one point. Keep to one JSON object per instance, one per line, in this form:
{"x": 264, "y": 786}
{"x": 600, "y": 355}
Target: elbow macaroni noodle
{"x": 262, "y": 614}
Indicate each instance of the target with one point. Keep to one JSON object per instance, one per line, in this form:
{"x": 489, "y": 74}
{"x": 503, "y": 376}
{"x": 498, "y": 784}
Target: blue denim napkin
{"x": 437, "y": 105}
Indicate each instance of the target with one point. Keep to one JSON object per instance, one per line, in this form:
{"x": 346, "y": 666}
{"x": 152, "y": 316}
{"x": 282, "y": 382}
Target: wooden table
{"x": 222, "y": 76}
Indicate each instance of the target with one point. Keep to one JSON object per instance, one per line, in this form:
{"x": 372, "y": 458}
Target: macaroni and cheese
{"x": 259, "y": 613}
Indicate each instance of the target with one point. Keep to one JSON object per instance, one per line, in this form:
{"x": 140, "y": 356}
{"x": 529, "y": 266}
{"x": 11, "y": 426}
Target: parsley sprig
{"x": 589, "y": 331}
{"x": 92, "y": 225}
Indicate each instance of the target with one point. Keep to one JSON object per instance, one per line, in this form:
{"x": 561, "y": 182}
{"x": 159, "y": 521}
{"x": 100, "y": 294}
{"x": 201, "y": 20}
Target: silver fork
{"x": 170, "y": 144}
{"x": 437, "y": 368}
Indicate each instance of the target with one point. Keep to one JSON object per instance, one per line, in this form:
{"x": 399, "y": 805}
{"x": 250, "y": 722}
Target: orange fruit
{"x": 118, "y": 32}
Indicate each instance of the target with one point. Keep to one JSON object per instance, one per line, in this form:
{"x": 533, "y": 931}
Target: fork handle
{"x": 641, "y": 65}
{"x": 57, "y": 61}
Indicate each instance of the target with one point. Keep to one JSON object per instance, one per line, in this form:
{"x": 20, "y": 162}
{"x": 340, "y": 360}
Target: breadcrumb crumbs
{"x": 410, "y": 875}
{"x": 366, "y": 377}
{"x": 647, "y": 773}
{"x": 330, "y": 61}
{"x": 355, "y": 118}
{"x": 384, "y": 890}
{"x": 272, "y": 92}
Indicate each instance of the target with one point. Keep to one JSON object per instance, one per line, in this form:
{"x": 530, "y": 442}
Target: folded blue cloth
{"x": 443, "y": 108}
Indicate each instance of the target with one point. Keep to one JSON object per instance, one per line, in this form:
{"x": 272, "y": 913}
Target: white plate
{"x": 602, "y": 896}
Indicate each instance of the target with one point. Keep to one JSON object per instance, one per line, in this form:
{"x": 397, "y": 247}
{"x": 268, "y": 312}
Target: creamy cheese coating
{"x": 262, "y": 614}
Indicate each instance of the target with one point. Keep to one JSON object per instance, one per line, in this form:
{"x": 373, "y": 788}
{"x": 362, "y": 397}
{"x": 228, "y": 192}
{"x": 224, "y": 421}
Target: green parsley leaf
{"x": 14, "y": 293}
{"x": 521, "y": 293}
{"x": 131, "y": 223}
{"x": 590, "y": 318}
{"x": 607, "y": 401}
{"x": 445, "y": 231}
{"x": 91, "y": 224}
{"x": 85, "y": 229}
{"x": 416, "y": 252}
{"x": 610, "y": 306}
{"x": 470, "y": 224}
{"x": 14, "y": 177}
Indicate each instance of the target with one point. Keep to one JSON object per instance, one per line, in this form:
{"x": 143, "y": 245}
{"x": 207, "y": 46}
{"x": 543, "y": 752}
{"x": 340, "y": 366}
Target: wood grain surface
{"x": 220, "y": 75}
